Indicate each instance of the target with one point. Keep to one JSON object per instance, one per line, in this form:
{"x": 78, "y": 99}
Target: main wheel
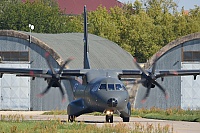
{"x": 71, "y": 118}
{"x": 125, "y": 119}
{"x": 109, "y": 118}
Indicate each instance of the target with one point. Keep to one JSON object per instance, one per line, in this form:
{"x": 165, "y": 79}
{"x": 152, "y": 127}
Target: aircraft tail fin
{"x": 86, "y": 48}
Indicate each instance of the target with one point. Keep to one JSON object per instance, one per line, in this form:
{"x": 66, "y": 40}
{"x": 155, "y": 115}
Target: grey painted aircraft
{"x": 100, "y": 90}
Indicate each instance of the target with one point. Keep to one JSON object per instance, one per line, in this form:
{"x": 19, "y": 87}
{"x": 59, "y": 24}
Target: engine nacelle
{"x": 152, "y": 86}
{"x": 147, "y": 84}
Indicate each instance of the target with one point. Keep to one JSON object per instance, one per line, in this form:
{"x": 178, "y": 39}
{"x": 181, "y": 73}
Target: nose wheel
{"x": 109, "y": 118}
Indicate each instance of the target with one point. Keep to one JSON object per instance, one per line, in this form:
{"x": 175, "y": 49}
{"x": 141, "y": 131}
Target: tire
{"x": 109, "y": 119}
{"x": 71, "y": 118}
{"x": 126, "y": 119}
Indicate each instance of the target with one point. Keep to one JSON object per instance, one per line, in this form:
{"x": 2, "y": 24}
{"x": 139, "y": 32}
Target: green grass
{"x": 39, "y": 126}
{"x": 55, "y": 112}
{"x": 16, "y": 123}
{"x": 56, "y": 126}
{"x": 175, "y": 114}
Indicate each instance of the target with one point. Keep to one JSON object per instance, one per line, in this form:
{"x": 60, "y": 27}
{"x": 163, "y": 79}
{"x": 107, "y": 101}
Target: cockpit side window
{"x": 124, "y": 87}
{"x": 111, "y": 87}
{"x": 118, "y": 87}
{"x": 95, "y": 87}
{"x": 102, "y": 86}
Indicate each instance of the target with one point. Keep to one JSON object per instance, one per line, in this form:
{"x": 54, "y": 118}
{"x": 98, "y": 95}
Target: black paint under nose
{"x": 112, "y": 102}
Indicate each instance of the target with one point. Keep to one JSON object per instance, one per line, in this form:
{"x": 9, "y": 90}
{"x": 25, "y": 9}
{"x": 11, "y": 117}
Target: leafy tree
{"x": 139, "y": 29}
{"x": 194, "y": 20}
{"x": 101, "y": 23}
{"x": 118, "y": 15}
{"x": 46, "y": 18}
{"x": 74, "y": 23}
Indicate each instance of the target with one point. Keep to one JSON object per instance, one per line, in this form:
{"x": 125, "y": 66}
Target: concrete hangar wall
{"x": 16, "y": 50}
{"x": 184, "y": 92}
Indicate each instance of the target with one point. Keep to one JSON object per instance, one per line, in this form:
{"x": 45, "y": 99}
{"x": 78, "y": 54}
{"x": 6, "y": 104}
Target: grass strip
{"x": 56, "y": 126}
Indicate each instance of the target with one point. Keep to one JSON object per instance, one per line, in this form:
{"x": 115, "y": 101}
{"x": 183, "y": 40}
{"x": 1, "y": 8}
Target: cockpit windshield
{"x": 111, "y": 87}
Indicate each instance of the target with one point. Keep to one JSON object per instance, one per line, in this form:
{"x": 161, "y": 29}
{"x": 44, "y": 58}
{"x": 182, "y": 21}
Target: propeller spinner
{"x": 148, "y": 80}
{"x": 55, "y": 80}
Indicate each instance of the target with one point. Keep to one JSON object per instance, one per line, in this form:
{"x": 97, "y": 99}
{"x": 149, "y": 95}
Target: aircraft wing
{"x": 128, "y": 74}
{"x": 165, "y": 73}
{"x": 41, "y": 73}
{"x": 159, "y": 73}
{"x": 71, "y": 72}
{"x": 25, "y": 72}
{"x": 80, "y": 72}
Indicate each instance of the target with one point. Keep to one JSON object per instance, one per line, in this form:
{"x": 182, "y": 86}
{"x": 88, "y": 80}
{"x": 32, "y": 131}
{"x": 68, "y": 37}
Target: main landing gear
{"x": 125, "y": 119}
{"x": 71, "y": 118}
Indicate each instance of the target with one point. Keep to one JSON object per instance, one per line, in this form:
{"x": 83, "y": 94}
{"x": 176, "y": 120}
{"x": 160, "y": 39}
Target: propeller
{"x": 55, "y": 79}
{"x": 148, "y": 80}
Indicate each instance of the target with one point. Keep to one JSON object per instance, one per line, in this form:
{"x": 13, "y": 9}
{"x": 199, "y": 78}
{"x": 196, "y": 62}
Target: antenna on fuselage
{"x": 86, "y": 61}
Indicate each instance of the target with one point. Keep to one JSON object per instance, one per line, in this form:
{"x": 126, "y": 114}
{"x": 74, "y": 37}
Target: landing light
{"x": 108, "y": 112}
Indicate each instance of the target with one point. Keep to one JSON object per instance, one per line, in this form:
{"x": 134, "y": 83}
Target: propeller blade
{"x": 139, "y": 67}
{"x": 47, "y": 88}
{"x": 154, "y": 64}
{"x": 55, "y": 78}
{"x": 147, "y": 94}
{"x": 65, "y": 63}
{"x": 149, "y": 79}
{"x": 31, "y": 73}
{"x": 162, "y": 89}
{"x": 153, "y": 68}
{"x": 49, "y": 64}
{"x": 62, "y": 91}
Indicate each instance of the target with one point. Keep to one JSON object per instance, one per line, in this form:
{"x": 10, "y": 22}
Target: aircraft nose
{"x": 112, "y": 102}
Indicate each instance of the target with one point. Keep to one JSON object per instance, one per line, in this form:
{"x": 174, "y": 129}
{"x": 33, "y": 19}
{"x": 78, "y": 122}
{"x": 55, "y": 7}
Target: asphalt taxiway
{"x": 175, "y": 126}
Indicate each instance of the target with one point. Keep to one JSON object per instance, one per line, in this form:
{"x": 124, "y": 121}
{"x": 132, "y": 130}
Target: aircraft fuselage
{"x": 102, "y": 94}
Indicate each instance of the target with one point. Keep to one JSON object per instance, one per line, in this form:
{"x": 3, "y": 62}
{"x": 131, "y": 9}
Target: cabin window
{"x": 111, "y": 87}
{"x": 102, "y": 86}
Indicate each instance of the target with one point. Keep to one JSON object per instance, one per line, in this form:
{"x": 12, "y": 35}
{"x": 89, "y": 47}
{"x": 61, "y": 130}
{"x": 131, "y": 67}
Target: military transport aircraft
{"x": 101, "y": 90}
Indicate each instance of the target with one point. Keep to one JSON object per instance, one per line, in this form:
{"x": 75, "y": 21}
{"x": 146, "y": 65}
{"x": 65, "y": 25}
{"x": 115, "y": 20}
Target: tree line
{"x": 139, "y": 29}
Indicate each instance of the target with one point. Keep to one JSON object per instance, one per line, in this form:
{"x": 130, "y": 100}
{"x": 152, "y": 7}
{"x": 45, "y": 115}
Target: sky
{"x": 188, "y": 4}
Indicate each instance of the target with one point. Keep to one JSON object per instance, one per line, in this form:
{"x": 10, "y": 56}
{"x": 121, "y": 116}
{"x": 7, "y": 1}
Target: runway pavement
{"x": 176, "y": 126}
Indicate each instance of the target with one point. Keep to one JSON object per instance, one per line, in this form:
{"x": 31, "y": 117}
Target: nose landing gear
{"x": 109, "y": 116}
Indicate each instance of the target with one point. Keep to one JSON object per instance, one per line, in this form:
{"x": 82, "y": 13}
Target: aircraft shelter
{"x": 27, "y": 50}
{"x": 184, "y": 92}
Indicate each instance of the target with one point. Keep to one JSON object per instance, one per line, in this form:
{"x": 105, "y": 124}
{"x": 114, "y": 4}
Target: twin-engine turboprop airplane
{"x": 100, "y": 90}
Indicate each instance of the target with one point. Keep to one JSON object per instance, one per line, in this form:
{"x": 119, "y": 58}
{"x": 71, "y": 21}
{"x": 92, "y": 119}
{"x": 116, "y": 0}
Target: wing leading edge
{"x": 25, "y": 72}
{"x": 165, "y": 73}
{"x": 159, "y": 73}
